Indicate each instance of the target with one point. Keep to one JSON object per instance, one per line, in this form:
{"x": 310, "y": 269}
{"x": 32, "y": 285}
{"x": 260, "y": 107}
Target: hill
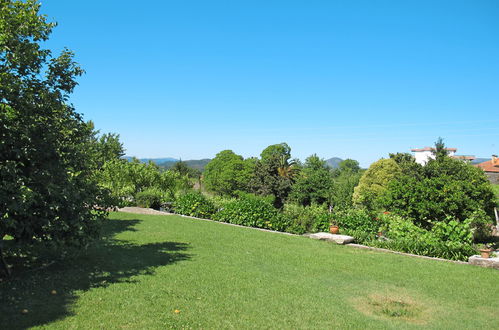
{"x": 158, "y": 161}
{"x": 198, "y": 164}
{"x": 334, "y": 162}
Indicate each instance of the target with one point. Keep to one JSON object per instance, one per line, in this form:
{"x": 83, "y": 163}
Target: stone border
{"x": 139, "y": 210}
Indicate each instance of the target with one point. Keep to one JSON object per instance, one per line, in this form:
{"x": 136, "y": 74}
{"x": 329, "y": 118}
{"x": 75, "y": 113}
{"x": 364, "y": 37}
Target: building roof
{"x": 489, "y": 166}
{"x": 463, "y": 157}
{"x": 431, "y": 149}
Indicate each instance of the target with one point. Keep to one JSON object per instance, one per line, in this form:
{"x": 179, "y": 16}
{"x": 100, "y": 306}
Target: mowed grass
{"x": 495, "y": 188}
{"x": 220, "y": 276}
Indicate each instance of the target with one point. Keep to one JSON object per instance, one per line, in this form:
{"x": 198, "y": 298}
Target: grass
{"x": 495, "y": 188}
{"x": 219, "y": 276}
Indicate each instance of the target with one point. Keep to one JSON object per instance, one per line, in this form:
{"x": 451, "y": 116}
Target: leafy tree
{"x": 126, "y": 180}
{"x": 446, "y": 188}
{"x": 440, "y": 151}
{"x": 273, "y": 174}
{"x": 281, "y": 150}
{"x": 313, "y": 184}
{"x": 48, "y": 188}
{"x": 228, "y": 173}
{"x": 373, "y": 183}
{"x": 349, "y": 165}
{"x": 346, "y": 178}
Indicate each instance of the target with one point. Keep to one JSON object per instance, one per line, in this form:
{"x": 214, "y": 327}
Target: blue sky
{"x": 352, "y": 79}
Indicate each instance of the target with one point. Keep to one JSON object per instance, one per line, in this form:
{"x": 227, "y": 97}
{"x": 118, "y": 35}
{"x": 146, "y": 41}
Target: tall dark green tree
{"x": 274, "y": 173}
{"x": 314, "y": 184}
{"x": 48, "y": 189}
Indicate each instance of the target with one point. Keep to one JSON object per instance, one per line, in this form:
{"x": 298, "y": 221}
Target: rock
{"x": 338, "y": 239}
{"x": 484, "y": 262}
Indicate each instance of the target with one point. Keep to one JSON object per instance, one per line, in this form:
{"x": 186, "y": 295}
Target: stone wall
{"x": 493, "y": 177}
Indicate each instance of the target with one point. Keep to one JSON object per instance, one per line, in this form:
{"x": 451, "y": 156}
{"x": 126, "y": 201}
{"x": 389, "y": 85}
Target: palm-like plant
{"x": 287, "y": 168}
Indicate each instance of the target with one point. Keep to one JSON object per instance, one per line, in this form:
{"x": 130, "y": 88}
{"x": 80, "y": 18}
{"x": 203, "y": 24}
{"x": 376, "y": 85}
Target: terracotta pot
{"x": 334, "y": 229}
{"x": 485, "y": 253}
{"x": 380, "y": 233}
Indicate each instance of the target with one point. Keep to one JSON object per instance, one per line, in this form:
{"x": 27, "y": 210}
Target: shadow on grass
{"x": 108, "y": 261}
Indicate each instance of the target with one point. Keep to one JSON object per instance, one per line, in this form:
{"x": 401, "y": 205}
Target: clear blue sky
{"x": 353, "y": 79}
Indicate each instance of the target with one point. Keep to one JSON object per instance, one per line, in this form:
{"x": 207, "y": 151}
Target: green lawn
{"x": 221, "y": 276}
{"x": 495, "y": 188}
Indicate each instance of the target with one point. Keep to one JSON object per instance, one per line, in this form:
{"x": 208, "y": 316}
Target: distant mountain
{"x": 198, "y": 164}
{"x": 334, "y": 162}
{"x": 158, "y": 161}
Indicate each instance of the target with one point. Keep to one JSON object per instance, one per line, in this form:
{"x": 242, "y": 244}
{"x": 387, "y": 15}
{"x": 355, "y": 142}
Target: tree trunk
{"x": 2, "y": 259}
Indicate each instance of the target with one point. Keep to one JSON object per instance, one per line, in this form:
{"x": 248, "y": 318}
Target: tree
{"x": 440, "y": 151}
{"x": 228, "y": 173}
{"x": 446, "y": 189}
{"x": 281, "y": 150}
{"x": 349, "y": 165}
{"x": 314, "y": 183}
{"x": 346, "y": 178}
{"x": 272, "y": 174}
{"x": 374, "y": 182}
{"x": 48, "y": 188}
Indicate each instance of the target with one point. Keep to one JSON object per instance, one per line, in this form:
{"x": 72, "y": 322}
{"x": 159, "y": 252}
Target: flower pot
{"x": 334, "y": 229}
{"x": 485, "y": 253}
{"x": 380, "y": 234}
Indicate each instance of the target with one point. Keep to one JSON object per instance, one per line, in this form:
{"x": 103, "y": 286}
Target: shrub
{"x": 302, "y": 219}
{"x": 151, "y": 197}
{"x": 194, "y": 204}
{"x": 252, "y": 211}
{"x": 445, "y": 187}
{"x": 430, "y": 248}
{"x": 480, "y": 225}
{"x": 447, "y": 239}
{"x": 374, "y": 182}
{"x": 358, "y": 223}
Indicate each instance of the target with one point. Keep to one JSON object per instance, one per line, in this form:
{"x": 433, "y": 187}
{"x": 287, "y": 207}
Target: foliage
{"x": 349, "y": 165}
{"x": 184, "y": 169}
{"x": 448, "y": 239}
{"x": 373, "y": 183}
{"x": 268, "y": 179}
{"x": 194, "y": 204}
{"x": 440, "y": 152}
{"x": 306, "y": 219}
{"x": 446, "y": 187}
{"x": 127, "y": 179}
{"x": 151, "y": 197}
{"x": 346, "y": 178}
{"x": 252, "y": 211}
{"x": 314, "y": 183}
{"x": 276, "y": 151}
{"x": 228, "y": 173}
{"x": 434, "y": 248}
{"x": 48, "y": 154}
{"x": 358, "y": 223}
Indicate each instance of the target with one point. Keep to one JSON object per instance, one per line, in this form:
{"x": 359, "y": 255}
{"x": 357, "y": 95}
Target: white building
{"x": 425, "y": 154}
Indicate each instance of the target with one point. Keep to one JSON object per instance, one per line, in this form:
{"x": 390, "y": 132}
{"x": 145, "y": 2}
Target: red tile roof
{"x": 489, "y": 166}
{"x": 431, "y": 149}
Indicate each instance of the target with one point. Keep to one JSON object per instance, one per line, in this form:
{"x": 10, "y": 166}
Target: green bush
{"x": 252, "y": 211}
{"x": 430, "y": 248}
{"x": 447, "y": 187}
{"x": 449, "y": 239}
{"x": 194, "y": 204}
{"x": 302, "y": 219}
{"x": 151, "y": 197}
{"x": 358, "y": 220}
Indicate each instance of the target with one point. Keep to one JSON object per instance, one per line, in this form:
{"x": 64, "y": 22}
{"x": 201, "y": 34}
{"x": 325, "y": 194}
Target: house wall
{"x": 422, "y": 157}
